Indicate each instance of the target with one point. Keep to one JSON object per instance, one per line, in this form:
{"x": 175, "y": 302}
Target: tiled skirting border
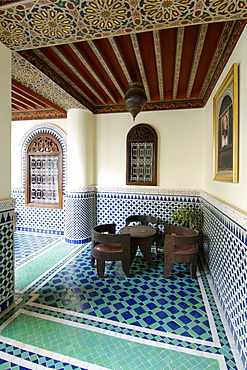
{"x": 6, "y": 253}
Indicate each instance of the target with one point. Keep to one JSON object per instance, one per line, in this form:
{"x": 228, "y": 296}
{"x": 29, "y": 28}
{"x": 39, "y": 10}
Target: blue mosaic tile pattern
{"x": 28, "y": 356}
{"x": 37, "y": 220}
{"x": 23, "y": 248}
{"x": 154, "y": 314}
{"x": 116, "y": 207}
{"x": 224, "y": 247}
{"x": 224, "y": 239}
{"x": 6, "y": 259}
{"x": 78, "y": 228}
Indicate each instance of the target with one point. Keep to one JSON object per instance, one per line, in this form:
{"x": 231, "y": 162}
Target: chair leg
{"x": 193, "y": 266}
{"x": 145, "y": 247}
{"x": 92, "y": 261}
{"x": 158, "y": 242}
{"x": 100, "y": 268}
{"x": 168, "y": 264}
{"x": 133, "y": 249}
{"x": 126, "y": 267}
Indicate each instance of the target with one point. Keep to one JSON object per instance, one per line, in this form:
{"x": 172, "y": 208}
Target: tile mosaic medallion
{"x": 65, "y": 317}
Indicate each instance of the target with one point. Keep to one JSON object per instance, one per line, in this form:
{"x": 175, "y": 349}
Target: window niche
{"x": 44, "y": 172}
{"x": 141, "y": 156}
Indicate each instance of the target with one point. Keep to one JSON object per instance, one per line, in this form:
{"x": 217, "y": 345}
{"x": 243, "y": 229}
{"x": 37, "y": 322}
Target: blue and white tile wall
{"x": 115, "y": 204}
{"x": 6, "y": 253}
{"x": 39, "y": 220}
{"x": 79, "y": 215}
{"x": 225, "y": 249}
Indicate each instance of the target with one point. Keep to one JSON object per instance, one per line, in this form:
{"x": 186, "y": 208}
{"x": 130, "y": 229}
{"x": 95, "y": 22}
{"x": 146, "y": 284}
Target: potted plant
{"x": 187, "y": 216}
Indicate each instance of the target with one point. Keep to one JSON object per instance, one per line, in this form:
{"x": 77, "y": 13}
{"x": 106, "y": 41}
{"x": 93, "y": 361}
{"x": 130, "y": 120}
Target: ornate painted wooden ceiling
{"x": 84, "y": 54}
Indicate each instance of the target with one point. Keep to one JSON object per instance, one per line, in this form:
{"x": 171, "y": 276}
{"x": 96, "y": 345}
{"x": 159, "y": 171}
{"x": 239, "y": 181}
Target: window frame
{"x": 58, "y": 153}
{"x": 140, "y": 133}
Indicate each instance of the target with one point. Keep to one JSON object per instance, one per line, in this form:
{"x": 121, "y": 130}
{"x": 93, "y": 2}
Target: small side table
{"x": 142, "y": 236}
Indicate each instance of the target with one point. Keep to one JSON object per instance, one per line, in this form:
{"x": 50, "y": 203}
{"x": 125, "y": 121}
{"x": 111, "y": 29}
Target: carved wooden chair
{"x": 108, "y": 246}
{"x": 181, "y": 245}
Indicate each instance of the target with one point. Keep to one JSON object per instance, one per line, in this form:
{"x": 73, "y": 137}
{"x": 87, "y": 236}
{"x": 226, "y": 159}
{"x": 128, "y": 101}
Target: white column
{"x": 5, "y": 121}
{"x": 6, "y": 203}
{"x": 80, "y": 151}
{"x": 79, "y": 200}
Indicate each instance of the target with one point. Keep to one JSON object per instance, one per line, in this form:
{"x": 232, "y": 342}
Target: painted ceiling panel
{"x": 84, "y": 54}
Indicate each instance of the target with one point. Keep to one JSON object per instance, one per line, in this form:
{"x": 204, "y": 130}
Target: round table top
{"x": 138, "y": 231}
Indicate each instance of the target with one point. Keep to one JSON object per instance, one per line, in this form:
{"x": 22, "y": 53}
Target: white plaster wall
{"x": 233, "y": 194}
{"x": 18, "y": 130}
{"x": 179, "y": 147}
{"x": 5, "y": 121}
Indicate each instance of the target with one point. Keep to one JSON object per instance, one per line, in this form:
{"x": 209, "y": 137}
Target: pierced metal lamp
{"x": 135, "y": 98}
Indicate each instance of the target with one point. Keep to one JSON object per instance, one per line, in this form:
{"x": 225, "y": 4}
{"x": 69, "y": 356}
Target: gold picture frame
{"x": 226, "y": 150}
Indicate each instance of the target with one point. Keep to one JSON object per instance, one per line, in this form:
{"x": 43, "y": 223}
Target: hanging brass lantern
{"x": 135, "y": 98}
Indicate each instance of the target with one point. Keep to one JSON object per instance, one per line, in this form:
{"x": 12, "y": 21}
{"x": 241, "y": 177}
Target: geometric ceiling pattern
{"x": 84, "y": 54}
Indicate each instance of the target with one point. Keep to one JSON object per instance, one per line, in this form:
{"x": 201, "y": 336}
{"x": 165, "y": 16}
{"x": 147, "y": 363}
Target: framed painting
{"x": 226, "y": 150}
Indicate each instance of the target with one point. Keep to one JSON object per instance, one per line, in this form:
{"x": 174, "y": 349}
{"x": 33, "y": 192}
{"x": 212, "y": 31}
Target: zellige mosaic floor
{"x": 65, "y": 317}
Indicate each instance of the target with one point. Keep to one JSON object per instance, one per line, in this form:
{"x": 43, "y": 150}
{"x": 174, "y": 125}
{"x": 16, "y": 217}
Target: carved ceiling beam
{"x": 197, "y": 56}
{"x": 26, "y": 102}
{"x": 20, "y": 105}
{"x": 156, "y": 37}
{"x": 140, "y": 64}
{"x": 119, "y": 57}
{"x": 107, "y": 69}
{"x": 35, "y": 61}
{"x": 34, "y": 97}
{"x": 77, "y": 73}
{"x": 179, "y": 50}
{"x": 225, "y": 47}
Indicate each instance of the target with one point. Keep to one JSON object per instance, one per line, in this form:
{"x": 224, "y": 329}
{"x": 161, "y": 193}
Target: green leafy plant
{"x": 187, "y": 216}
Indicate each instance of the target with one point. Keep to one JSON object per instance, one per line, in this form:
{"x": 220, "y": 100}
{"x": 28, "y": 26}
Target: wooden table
{"x": 142, "y": 236}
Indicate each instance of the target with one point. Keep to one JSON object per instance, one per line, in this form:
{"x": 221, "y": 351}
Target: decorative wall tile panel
{"x": 43, "y": 220}
{"x": 115, "y": 205}
{"x": 6, "y": 255}
{"x": 225, "y": 250}
{"x": 79, "y": 217}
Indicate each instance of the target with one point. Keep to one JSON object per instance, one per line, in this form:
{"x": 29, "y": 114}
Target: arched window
{"x": 44, "y": 172}
{"x": 141, "y": 155}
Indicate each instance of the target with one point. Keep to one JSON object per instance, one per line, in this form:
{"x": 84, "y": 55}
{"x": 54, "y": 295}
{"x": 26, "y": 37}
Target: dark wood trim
{"x": 59, "y": 154}
{"x": 142, "y": 133}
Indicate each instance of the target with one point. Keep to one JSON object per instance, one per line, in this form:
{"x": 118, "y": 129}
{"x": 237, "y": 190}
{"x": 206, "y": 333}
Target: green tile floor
{"x": 65, "y": 317}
